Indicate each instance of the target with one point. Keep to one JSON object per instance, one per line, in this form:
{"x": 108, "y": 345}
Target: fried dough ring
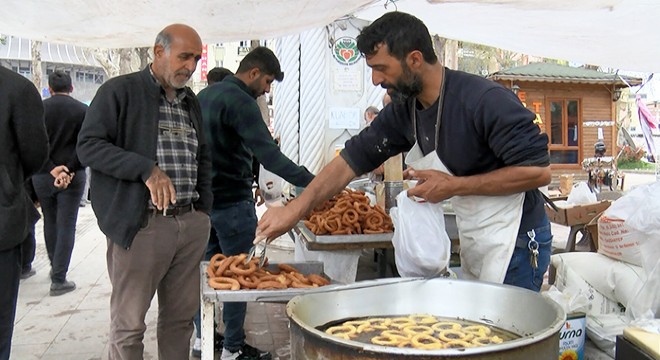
{"x": 451, "y": 335}
{"x": 374, "y": 221}
{"x": 401, "y": 322}
{"x": 248, "y": 282}
{"x": 299, "y": 285}
{"x": 240, "y": 260}
{"x": 426, "y": 342}
{"x": 385, "y": 340}
{"x": 323, "y": 219}
{"x": 360, "y": 198}
{"x": 446, "y": 325}
{"x": 298, "y": 277}
{"x": 343, "y": 331}
{"x": 270, "y": 284}
{"x": 318, "y": 279}
{"x": 380, "y": 323}
{"x": 216, "y": 258}
{"x": 356, "y": 323}
{"x": 396, "y": 334}
{"x": 228, "y": 271}
{"x": 332, "y": 225}
{"x": 477, "y": 330}
{"x": 350, "y": 216}
{"x": 486, "y": 340}
{"x": 287, "y": 268}
{"x": 423, "y": 319}
{"x": 341, "y": 206}
{"x": 224, "y": 283}
{"x": 369, "y": 231}
{"x": 223, "y": 266}
{"x": 417, "y": 329}
{"x": 210, "y": 270}
{"x": 361, "y": 208}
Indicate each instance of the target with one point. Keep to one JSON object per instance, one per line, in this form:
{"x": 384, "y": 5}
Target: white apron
{"x": 487, "y": 225}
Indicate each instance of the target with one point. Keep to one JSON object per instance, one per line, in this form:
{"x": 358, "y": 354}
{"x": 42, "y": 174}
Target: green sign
{"x": 345, "y": 51}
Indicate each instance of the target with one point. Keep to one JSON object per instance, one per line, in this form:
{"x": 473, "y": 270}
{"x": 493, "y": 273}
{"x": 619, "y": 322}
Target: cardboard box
{"x": 565, "y": 184}
{"x": 572, "y": 337}
{"x": 576, "y": 214}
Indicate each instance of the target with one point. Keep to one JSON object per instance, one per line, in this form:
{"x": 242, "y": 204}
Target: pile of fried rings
{"x": 347, "y": 213}
{"x": 416, "y": 331}
{"x": 232, "y": 273}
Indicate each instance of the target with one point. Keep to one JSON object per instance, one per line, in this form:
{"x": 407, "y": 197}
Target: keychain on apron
{"x": 533, "y": 247}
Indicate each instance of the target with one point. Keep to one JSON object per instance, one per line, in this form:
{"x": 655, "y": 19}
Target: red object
{"x": 203, "y": 62}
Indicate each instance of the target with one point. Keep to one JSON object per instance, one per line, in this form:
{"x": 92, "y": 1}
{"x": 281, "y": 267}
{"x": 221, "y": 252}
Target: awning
{"x": 620, "y": 34}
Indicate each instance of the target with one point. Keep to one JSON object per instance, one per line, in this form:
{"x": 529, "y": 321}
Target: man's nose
{"x": 191, "y": 65}
{"x": 376, "y": 78}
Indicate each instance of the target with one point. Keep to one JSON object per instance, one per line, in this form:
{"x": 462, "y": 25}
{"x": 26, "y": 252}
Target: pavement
{"x": 75, "y": 326}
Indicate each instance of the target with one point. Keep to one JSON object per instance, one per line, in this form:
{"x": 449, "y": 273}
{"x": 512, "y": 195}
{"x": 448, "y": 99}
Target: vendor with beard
{"x": 468, "y": 139}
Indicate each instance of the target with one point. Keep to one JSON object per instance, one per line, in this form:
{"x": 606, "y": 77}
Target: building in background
{"x": 86, "y": 73}
{"x": 574, "y": 106}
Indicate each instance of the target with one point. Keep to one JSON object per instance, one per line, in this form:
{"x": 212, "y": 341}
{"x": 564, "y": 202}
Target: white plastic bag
{"x": 271, "y": 187}
{"x": 630, "y": 227}
{"x": 571, "y": 300}
{"x": 421, "y": 244}
{"x": 581, "y": 195}
{"x": 642, "y": 213}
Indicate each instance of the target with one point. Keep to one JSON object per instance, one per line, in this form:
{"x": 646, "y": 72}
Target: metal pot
{"x": 520, "y": 311}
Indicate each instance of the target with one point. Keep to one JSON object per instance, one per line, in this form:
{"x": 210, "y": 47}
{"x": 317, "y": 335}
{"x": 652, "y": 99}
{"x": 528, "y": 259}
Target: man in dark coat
{"x": 24, "y": 148}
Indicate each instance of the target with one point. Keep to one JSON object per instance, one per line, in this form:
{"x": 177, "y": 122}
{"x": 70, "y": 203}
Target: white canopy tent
{"x": 620, "y": 34}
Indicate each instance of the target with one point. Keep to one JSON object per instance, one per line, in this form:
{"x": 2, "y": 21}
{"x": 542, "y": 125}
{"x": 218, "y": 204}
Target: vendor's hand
{"x": 258, "y": 198}
{"x": 161, "y": 189}
{"x": 379, "y": 170}
{"x": 275, "y": 222}
{"x": 406, "y": 174}
{"x": 433, "y": 186}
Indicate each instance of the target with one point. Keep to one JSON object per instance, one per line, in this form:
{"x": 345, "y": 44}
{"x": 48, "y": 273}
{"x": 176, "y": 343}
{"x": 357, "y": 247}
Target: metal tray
{"x": 310, "y": 237}
{"x": 252, "y": 295}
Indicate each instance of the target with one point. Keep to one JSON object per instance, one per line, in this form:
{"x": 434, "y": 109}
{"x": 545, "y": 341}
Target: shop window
{"x": 563, "y": 129}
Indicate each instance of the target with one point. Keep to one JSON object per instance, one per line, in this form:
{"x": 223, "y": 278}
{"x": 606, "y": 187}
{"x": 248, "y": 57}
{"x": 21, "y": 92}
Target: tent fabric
{"x": 129, "y": 23}
{"x": 620, "y": 34}
{"x": 609, "y": 33}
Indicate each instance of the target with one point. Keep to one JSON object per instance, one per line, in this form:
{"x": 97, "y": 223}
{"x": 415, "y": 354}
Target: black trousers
{"x": 28, "y": 248}
{"x": 10, "y": 272}
{"x": 60, "y": 210}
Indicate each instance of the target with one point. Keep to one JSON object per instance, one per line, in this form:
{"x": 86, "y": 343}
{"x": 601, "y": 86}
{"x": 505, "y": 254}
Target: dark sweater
{"x": 24, "y": 149}
{"x": 236, "y": 132}
{"x": 64, "y": 116}
{"x": 484, "y": 127}
{"x": 118, "y": 142}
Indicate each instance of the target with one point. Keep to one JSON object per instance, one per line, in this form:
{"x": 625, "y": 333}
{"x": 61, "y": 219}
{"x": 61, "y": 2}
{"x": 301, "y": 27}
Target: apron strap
{"x": 438, "y": 120}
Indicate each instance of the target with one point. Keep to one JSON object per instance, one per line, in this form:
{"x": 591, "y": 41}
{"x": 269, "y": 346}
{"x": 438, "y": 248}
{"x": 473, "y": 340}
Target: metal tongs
{"x": 253, "y": 251}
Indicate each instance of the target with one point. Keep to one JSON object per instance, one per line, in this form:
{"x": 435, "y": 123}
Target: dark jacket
{"x": 64, "y": 116}
{"x": 237, "y": 134}
{"x": 24, "y": 148}
{"x": 118, "y": 141}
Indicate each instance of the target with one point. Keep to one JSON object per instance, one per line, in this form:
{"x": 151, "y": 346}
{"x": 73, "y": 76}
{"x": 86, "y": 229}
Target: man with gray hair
{"x": 151, "y": 193}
